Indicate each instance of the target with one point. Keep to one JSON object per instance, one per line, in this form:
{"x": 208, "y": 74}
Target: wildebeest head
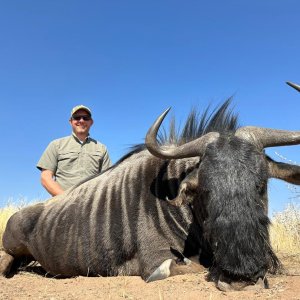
{"x": 228, "y": 193}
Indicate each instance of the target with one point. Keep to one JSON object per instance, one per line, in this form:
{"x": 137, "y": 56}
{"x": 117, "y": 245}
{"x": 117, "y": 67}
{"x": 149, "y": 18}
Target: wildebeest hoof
{"x": 162, "y": 272}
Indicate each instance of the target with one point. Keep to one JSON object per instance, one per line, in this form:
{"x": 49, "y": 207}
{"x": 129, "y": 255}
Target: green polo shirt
{"x": 72, "y": 161}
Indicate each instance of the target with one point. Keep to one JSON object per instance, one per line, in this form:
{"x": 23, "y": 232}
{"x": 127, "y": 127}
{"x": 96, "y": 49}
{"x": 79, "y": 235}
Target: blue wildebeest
{"x": 162, "y": 204}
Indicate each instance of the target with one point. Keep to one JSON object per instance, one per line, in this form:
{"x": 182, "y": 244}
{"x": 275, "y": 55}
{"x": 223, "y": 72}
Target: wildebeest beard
{"x": 232, "y": 189}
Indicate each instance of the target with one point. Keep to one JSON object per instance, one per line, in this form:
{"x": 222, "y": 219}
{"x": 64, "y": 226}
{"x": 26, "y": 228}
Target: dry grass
{"x": 5, "y": 214}
{"x": 285, "y": 231}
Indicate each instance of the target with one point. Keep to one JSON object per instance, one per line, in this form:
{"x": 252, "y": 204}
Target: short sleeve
{"x": 106, "y": 162}
{"x": 49, "y": 158}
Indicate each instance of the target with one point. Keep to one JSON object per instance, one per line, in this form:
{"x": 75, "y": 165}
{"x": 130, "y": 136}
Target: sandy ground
{"x": 31, "y": 285}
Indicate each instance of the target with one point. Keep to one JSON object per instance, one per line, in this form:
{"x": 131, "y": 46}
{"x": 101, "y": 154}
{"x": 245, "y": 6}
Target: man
{"x": 69, "y": 160}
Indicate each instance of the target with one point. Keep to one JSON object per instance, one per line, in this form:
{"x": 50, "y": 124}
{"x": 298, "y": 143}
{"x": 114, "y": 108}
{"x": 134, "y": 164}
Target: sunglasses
{"x": 78, "y": 118}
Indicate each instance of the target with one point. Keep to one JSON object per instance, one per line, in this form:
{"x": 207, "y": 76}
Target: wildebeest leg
{"x": 185, "y": 267}
{"x": 172, "y": 267}
{"x": 13, "y": 243}
{"x": 6, "y": 261}
{"x": 12, "y": 258}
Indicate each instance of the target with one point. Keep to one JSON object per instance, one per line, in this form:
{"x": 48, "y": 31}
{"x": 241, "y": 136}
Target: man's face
{"x": 81, "y": 122}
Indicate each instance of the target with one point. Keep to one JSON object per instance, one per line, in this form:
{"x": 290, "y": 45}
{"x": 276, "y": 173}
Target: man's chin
{"x": 81, "y": 130}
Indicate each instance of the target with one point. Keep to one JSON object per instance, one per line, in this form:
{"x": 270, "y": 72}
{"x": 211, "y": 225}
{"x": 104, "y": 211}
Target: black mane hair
{"x": 221, "y": 119}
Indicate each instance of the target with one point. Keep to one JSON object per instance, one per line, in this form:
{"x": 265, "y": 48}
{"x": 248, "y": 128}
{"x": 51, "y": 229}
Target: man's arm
{"x": 106, "y": 162}
{"x": 49, "y": 184}
{"x": 47, "y": 165}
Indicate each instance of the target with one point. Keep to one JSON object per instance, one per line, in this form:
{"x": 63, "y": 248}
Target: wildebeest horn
{"x": 193, "y": 148}
{"x": 295, "y": 86}
{"x": 267, "y": 137}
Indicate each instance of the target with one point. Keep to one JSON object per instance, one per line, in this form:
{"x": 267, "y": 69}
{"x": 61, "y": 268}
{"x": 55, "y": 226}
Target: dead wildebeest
{"x": 161, "y": 204}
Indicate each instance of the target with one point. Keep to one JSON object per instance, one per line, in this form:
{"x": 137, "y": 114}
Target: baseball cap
{"x": 78, "y": 107}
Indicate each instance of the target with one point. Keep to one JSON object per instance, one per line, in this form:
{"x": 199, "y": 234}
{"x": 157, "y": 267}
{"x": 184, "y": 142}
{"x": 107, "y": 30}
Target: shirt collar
{"x": 79, "y": 141}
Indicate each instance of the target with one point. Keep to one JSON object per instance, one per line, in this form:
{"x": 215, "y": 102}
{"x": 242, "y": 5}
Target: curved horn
{"x": 293, "y": 85}
{"x": 267, "y": 137}
{"x": 193, "y": 148}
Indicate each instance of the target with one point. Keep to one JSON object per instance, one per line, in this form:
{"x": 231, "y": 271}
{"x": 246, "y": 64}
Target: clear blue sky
{"x": 128, "y": 61}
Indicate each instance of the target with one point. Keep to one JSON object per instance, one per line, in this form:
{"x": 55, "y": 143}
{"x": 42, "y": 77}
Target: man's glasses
{"x": 78, "y": 118}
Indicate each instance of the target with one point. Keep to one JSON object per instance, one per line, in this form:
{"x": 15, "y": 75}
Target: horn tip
{"x": 166, "y": 111}
{"x": 293, "y": 85}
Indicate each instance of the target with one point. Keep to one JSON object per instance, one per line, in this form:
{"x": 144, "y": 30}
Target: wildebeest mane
{"x": 221, "y": 119}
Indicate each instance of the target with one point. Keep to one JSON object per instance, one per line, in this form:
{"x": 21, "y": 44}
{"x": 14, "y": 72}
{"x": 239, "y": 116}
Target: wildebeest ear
{"x": 187, "y": 189}
{"x": 283, "y": 171}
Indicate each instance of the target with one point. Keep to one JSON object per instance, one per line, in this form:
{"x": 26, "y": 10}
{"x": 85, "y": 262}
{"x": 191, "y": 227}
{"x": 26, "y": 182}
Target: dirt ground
{"x": 31, "y": 285}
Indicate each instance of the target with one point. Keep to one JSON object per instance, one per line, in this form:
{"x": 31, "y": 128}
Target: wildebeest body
{"x": 109, "y": 226}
